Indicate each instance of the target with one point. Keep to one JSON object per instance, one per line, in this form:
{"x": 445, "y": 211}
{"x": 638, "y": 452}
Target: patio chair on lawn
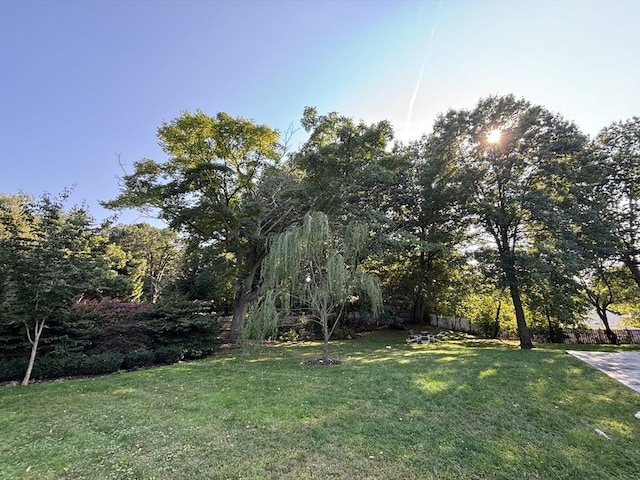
{"x": 422, "y": 337}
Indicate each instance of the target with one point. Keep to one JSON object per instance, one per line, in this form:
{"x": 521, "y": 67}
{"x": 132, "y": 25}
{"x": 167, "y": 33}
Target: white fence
{"x": 453, "y": 323}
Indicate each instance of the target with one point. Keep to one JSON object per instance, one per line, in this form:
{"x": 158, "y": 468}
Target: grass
{"x": 454, "y": 410}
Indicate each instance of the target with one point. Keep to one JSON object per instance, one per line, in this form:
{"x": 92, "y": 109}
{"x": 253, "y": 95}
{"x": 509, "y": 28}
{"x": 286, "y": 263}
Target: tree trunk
{"x": 37, "y": 331}
{"x": 633, "y": 266}
{"x": 552, "y": 335}
{"x": 325, "y": 335}
{"x": 244, "y": 293}
{"x": 240, "y": 309}
{"x": 512, "y": 280}
{"x": 602, "y": 313}
{"x": 523, "y": 330}
{"x": 495, "y": 328}
{"x": 419, "y": 307}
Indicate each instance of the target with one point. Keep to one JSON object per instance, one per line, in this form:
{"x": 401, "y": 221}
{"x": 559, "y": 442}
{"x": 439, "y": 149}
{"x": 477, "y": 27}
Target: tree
{"x": 427, "y": 209}
{"x": 310, "y": 266}
{"x": 220, "y": 184}
{"x": 158, "y": 250}
{"x": 206, "y": 272}
{"x": 344, "y": 165}
{"x": 505, "y": 147}
{"x": 47, "y": 263}
{"x": 603, "y": 288}
{"x": 553, "y": 293}
{"x": 614, "y": 193}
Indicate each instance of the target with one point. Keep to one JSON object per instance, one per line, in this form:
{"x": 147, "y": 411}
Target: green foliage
{"x": 138, "y": 358}
{"x": 291, "y": 335}
{"x": 153, "y": 253}
{"x": 123, "y": 327}
{"x": 192, "y": 326}
{"x": 62, "y": 365}
{"x": 48, "y": 263}
{"x": 600, "y": 217}
{"x": 220, "y": 185}
{"x": 100, "y": 364}
{"x": 168, "y": 355}
{"x": 342, "y": 333}
{"x": 264, "y": 316}
{"x": 12, "y": 368}
{"x": 310, "y": 266}
{"x": 57, "y": 366}
{"x": 427, "y": 205}
{"x": 612, "y": 200}
{"x": 513, "y": 183}
{"x": 138, "y": 334}
{"x": 540, "y": 208}
{"x": 344, "y": 165}
{"x": 114, "y": 326}
{"x": 206, "y": 272}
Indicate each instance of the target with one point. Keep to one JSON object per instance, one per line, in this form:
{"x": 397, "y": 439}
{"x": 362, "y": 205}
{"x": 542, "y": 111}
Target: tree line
{"x": 503, "y": 211}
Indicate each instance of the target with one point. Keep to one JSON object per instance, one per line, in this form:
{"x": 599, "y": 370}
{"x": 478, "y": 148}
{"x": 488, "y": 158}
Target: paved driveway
{"x": 623, "y": 366}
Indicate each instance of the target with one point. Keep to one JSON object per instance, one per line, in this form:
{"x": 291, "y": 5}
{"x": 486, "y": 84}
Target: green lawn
{"x": 456, "y": 410}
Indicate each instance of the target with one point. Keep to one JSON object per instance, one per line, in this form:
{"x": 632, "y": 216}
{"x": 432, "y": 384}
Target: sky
{"x": 84, "y": 84}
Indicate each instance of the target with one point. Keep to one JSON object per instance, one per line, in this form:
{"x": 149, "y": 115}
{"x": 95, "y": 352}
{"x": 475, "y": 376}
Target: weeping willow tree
{"x": 311, "y": 267}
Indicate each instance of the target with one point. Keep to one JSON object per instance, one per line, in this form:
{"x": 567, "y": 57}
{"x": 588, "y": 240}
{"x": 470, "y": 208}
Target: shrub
{"x": 193, "y": 326}
{"x": 101, "y": 337}
{"x": 100, "y": 364}
{"x": 168, "y": 355}
{"x": 12, "y": 369}
{"x": 122, "y": 338}
{"x": 553, "y": 333}
{"x": 291, "y": 335}
{"x": 489, "y": 326}
{"x": 49, "y": 367}
{"x": 138, "y": 358}
{"x": 342, "y": 333}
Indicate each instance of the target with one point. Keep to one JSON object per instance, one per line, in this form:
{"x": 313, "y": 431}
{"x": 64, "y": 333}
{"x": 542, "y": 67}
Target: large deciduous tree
{"x": 506, "y": 148}
{"x": 614, "y": 198}
{"x": 218, "y": 185}
{"x": 313, "y": 268}
{"x": 428, "y": 213}
{"x": 344, "y": 165}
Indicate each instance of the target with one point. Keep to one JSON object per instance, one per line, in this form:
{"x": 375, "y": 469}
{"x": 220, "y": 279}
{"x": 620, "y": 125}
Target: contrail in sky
{"x": 419, "y": 82}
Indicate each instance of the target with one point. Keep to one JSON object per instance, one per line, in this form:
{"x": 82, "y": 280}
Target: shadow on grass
{"x": 467, "y": 410}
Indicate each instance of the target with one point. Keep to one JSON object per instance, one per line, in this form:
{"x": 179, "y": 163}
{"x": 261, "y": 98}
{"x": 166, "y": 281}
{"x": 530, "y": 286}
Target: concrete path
{"x": 623, "y": 366}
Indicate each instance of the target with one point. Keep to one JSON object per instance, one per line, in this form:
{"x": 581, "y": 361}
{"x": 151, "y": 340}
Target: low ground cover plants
{"x": 466, "y": 409}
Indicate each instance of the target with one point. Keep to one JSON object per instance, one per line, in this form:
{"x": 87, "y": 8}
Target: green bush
{"x": 12, "y": 369}
{"x": 291, "y": 335}
{"x": 168, "y": 355}
{"x": 49, "y": 367}
{"x": 342, "y": 333}
{"x": 489, "y": 326}
{"x": 193, "y": 326}
{"x": 101, "y": 337}
{"x": 100, "y": 364}
{"x": 138, "y": 358}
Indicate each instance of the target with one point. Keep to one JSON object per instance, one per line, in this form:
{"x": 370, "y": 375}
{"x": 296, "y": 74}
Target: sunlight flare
{"x": 494, "y": 136}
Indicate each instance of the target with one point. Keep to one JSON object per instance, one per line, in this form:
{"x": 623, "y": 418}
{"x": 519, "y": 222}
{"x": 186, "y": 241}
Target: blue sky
{"x": 86, "y": 80}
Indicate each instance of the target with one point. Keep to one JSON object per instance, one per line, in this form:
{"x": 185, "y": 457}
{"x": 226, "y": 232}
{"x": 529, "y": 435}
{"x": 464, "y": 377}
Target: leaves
{"x": 310, "y": 267}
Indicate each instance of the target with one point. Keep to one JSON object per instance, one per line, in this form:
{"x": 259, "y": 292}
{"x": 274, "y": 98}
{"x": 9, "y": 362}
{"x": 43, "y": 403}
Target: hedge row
{"x": 102, "y": 337}
{"x": 50, "y": 367}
